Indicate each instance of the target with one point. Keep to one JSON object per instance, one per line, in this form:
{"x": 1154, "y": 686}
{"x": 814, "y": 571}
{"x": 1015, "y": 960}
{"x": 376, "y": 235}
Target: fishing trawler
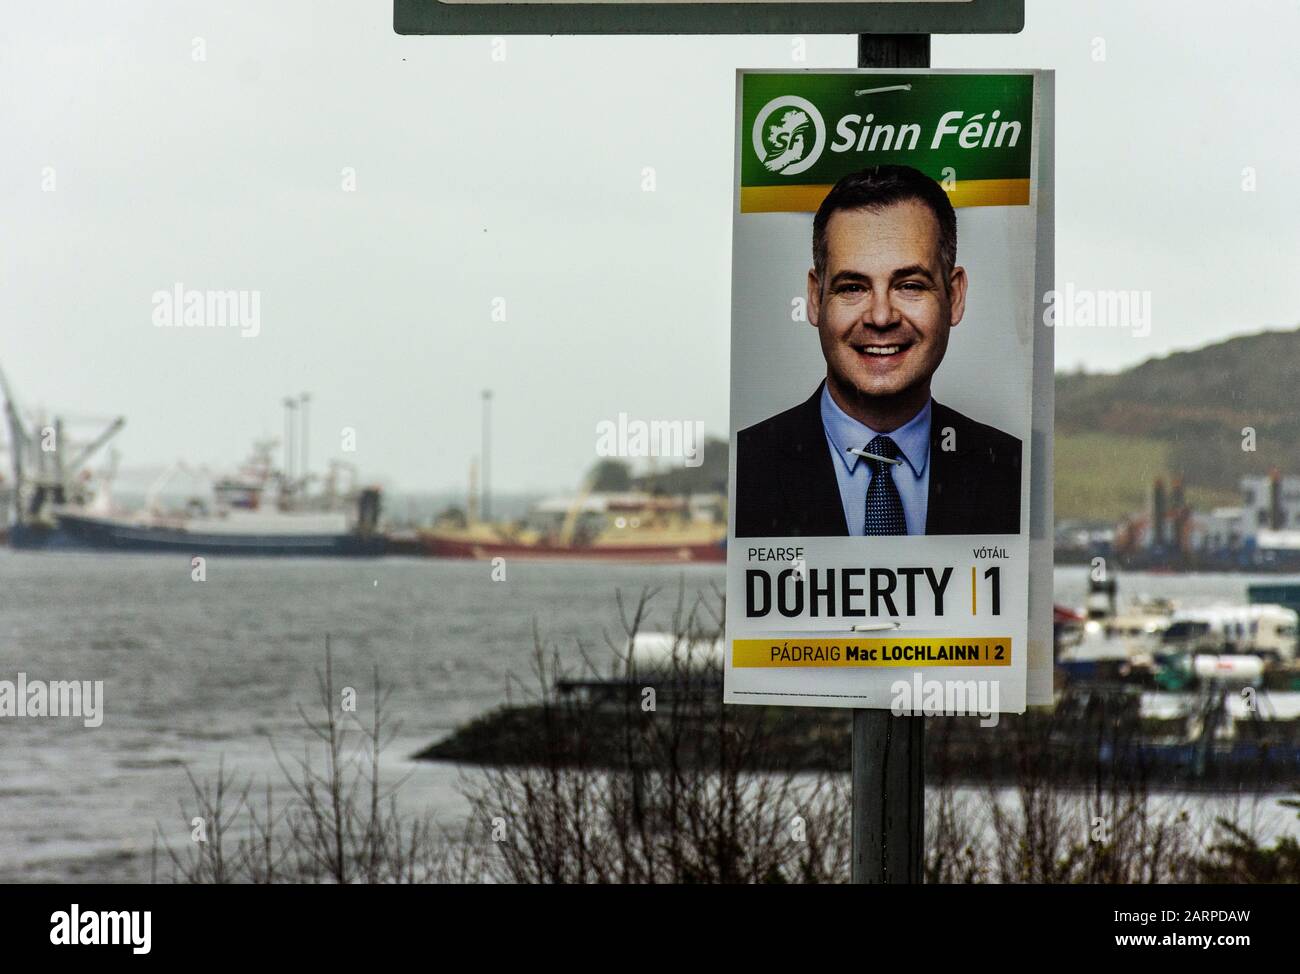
{"x": 57, "y": 502}
{"x": 256, "y": 512}
{"x": 677, "y": 519}
{"x": 626, "y": 526}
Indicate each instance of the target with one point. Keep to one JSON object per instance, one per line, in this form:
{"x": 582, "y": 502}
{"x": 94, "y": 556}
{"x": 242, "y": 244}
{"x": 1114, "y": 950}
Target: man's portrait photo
{"x": 870, "y": 451}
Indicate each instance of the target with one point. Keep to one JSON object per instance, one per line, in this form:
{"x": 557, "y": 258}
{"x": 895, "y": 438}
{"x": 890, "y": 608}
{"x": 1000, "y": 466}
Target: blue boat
{"x": 56, "y": 503}
{"x": 252, "y": 535}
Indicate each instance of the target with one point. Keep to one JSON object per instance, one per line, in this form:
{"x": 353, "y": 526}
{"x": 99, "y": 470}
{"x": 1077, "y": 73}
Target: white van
{"x": 1269, "y": 631}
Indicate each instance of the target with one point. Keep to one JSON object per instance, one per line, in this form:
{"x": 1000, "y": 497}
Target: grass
{"x": 1104, "y": 477}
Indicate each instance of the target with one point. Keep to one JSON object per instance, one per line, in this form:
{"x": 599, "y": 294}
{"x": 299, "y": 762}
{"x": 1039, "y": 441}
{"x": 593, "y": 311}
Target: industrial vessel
{"x": 55, "y": 501}
{"x": 629, "y": 526}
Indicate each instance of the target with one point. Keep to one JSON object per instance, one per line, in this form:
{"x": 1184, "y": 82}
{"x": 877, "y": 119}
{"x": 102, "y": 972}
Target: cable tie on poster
{"x": 885, "y": 626}
{"x": 877, "y": 91}
{"x": 874, "y": 456}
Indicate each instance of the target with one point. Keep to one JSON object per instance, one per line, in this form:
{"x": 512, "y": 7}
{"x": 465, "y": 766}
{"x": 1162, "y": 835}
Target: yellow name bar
{"x": 968, "y": 192}
{"x": 995, "y": 651}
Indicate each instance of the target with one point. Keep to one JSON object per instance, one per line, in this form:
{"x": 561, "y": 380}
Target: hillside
{"x": 1179, "y": 415}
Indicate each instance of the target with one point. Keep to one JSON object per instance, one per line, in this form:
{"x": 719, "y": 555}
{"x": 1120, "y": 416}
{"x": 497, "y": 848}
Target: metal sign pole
{"x": 888, "y": 777}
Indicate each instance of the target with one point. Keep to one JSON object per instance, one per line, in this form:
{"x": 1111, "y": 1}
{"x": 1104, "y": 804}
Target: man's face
{"x": 884, "y": 309}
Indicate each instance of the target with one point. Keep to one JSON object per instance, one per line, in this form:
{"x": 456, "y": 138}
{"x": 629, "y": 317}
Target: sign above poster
{"x": 709, "y": 17}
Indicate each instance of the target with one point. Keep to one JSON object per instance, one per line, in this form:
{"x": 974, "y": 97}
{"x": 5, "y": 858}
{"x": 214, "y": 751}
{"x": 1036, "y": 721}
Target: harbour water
{"x": 196, "y": 673}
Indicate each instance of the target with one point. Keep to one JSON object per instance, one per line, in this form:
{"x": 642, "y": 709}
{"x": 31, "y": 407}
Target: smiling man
{"x": 870, "y": 452}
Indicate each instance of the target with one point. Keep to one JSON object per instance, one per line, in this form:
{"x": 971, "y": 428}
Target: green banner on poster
{"x": 802, "y": 131}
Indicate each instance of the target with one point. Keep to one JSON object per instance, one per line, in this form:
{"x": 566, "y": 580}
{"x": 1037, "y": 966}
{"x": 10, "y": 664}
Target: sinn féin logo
{"x": 789, "y": 135}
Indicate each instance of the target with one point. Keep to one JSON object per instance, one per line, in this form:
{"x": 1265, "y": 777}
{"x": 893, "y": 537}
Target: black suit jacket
{"x": 786, "y": 485}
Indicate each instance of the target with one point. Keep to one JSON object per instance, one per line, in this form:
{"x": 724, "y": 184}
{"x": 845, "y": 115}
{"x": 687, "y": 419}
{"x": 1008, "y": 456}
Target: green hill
{"x": 1179, "y": 415}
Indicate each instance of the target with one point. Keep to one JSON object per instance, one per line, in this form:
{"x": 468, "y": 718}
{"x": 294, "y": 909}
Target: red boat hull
{"x": 638, "y": 554}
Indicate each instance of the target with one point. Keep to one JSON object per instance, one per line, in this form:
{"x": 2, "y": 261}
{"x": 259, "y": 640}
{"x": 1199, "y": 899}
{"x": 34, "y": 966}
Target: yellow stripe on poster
{"x": 826, "y": 653}
{"x": 797, "y": 199}
{"x": 782, "y": 199}
{"x": 990, "y": 192}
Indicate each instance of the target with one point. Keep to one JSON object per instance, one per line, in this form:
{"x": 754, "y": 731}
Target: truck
{"x": 1267, "y": 631}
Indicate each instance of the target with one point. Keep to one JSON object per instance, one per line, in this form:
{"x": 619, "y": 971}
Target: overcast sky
{"x": 521, "y": 179}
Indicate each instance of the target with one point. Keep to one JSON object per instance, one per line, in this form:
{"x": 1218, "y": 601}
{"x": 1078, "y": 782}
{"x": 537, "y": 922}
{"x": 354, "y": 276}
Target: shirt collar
{"x": 846, "y": 433}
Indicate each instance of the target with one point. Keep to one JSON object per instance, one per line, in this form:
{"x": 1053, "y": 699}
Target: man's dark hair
{"x": 877, "y": 187}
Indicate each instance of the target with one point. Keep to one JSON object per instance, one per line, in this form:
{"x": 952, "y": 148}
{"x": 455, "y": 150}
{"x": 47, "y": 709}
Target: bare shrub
{"x": 341, "y": 823}
{"x": 646, "y": 778}
{"x": 640, "y": 775}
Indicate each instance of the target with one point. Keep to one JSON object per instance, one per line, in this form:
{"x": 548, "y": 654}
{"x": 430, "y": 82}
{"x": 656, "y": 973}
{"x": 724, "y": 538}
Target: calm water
{"x": 195, "y": 672}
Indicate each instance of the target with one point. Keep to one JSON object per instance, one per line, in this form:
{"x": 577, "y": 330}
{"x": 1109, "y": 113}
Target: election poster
{"x": 890, "y": 484}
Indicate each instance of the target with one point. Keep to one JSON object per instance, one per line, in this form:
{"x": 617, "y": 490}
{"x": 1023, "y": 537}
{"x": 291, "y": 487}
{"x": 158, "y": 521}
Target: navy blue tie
{"x": 884, "y": 506}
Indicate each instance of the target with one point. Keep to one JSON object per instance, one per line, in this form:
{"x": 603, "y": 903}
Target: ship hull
{"x": 100, "y": 534}
{"x": 437, "y": 547}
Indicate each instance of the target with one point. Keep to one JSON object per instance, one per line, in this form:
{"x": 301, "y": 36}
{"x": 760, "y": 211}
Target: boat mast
{"x": 303, "y": 401}
{"x": 286, "y": 479}
{"x": 51, "y": 475}
{"x": 471, "y": 506}
{"x": 487, "y": 447}
{"x": 19, "y": 439}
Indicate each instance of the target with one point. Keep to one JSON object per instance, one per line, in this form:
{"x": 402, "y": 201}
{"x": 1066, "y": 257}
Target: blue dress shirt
{"x": 911, "y": 477}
